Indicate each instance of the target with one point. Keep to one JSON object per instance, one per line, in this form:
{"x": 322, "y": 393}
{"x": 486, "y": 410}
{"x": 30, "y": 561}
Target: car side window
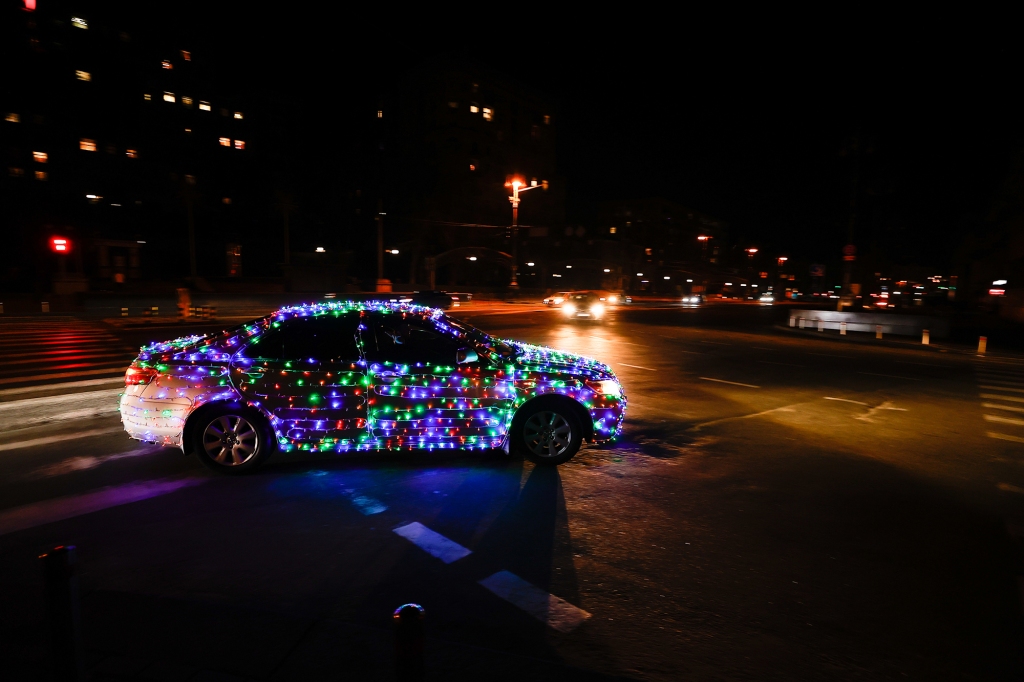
{"x": 325, "y": 338}
{"x": 412, "y": 340}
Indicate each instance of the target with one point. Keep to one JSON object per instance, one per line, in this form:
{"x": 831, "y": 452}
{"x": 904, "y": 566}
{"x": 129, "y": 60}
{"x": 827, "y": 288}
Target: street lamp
{"x": 518, "y": 186}
{"x": 750, "y": 252}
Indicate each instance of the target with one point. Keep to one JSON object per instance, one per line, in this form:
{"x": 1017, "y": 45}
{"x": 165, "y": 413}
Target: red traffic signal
{"x": 60, "y": 244}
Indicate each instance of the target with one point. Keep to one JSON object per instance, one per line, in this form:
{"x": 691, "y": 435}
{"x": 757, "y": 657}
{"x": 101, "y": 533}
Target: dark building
{"x": 118, "y": 141}
{"x": 447, "y": 141}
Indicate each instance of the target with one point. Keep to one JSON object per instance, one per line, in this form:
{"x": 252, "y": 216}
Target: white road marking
{"x": 1001, "y": 388}
{"x": 1005, "y": 436}
{"x": 784, "y": 408}
{"x": 884, "y": 406}
{"x": 434, "y": 544}
{"x": 62, "y": 508}
{"x": 1004, "y": 420}
{"x": 844, "y": 400}
{"x": 59, "y": 387}
{"x": 53, "y": 401}
{"x": 638, "y": 367}
{"x": 59, "y": 439}
{"x": 891, "y": 376}
{"x": 557, "y": 613}
{"x": 61, "y": 375}
{"x": 723, "y": 381}
{"x": 1008, "y": 408}
{"x": 1007, "y": 398}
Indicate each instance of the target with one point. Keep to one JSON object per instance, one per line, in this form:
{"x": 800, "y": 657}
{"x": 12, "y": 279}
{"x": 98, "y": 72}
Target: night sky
{"x": 749, "y": 130}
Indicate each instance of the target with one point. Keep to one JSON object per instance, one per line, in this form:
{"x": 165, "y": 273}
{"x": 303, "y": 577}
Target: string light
{"x": 385, "y": 405}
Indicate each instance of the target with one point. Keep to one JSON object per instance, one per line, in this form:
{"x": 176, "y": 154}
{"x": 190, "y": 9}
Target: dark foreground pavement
{"x": 779, "y": 508}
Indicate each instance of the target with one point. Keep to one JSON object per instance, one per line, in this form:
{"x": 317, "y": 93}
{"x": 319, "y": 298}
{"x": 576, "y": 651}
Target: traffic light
{"x": 60, "y": 244}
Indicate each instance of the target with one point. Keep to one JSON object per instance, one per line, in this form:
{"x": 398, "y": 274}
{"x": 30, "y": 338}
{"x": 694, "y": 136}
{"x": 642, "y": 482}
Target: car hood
{"x": 533, "y": 358}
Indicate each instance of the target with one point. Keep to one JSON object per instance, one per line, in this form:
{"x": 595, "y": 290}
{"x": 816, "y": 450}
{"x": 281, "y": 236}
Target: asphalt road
{"x": 780, "y": 507}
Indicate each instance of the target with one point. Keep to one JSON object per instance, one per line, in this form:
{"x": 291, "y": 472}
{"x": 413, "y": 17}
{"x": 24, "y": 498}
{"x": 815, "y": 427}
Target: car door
{"x": 308, "y": 375}
{"x": 421, "y": 396}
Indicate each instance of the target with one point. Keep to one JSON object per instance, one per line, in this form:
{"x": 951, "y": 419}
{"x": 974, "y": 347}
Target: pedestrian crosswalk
{"x": 48, "y": 351}
{"x": 1002, "y": 386}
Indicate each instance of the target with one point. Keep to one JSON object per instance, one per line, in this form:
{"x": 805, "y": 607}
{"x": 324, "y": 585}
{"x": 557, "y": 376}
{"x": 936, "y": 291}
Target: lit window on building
{"x": 474, "y": 109}
{"x": 204, "y": 106}
{"x": 186, "y": 55}
{"x": 547, "y": 120}
{"x": 169, "y": 97}
{"x": 15, "y": 172}
{"x": 79, "y": 22}
{"x": 166, "y": 64}
{"x": 453, "y": 105}
{"x": 226, "y": 201}
{"x": 188, "y": 130}
{"x": 380, "y": 113}
{"x": 146, "y": 96}
{"x": 131, "y": 153}
{"x": 239, "y": 144}
{"x": 187, "y": 101}
{"x": 40, "y": 157}
{"x": 488, "y": 114}
{"x": 42, "y": 175}
{"x": 87, "y": 145}
{"x": 12, "y": 118}
{"x": 238, "y": 115}
{"x": 472, "y": 166}
{"x": 224, "y": 141}
{"x": 83, "y": 75}
{"x": 612, "y": 230}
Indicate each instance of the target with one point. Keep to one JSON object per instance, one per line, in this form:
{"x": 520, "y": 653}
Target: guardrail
{"x": 883, "y": 323}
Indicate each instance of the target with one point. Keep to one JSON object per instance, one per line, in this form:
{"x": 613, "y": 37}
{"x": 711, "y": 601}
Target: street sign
{"x": 817, "y": 271}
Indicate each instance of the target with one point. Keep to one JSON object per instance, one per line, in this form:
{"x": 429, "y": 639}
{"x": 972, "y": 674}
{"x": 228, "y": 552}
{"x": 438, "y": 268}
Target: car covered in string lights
{"x": 359, "y": 376}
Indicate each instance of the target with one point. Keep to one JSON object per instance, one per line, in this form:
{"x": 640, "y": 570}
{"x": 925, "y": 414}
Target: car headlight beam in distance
{"x": 607, "y": 387}
{"x": 569, "y": 309}
{"x": 597, "y": 310}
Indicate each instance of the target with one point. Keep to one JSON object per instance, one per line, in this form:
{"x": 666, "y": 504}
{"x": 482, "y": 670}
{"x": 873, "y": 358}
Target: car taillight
{"x": 139, "y": 376}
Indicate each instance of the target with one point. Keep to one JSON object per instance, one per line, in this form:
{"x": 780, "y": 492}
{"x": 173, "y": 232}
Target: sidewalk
{"x": 891, "y": 341}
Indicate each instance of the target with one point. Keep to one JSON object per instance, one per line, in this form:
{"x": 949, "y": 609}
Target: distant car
{"x": 345, "y": 376}
{"x": 766, "y": 299}
{"x": 557, "y": 298}
{"x": 692, "y": 301}
{"x": 583, "y": 306}
{"x": 429, "y": 299}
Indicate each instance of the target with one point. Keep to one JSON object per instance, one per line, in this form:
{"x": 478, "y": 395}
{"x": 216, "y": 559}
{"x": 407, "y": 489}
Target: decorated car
{"x": 358, "y": 376}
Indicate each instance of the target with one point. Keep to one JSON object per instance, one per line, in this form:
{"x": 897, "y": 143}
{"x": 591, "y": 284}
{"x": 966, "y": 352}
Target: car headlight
{"x": 609, "y": 387}
{"x": 613, "y": 299}
{"x": 569, "y": 309}
{"x": 597, "y": 309}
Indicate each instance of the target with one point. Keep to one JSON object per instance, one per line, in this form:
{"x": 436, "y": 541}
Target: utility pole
{"x": 517, "y": 187}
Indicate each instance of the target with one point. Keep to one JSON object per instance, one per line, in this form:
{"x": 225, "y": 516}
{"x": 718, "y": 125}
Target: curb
{"x": 865, "y": 338}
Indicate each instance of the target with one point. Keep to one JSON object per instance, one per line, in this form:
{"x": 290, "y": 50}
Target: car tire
{"x": 231, "y": 439}
{"x": 547, "y": 432}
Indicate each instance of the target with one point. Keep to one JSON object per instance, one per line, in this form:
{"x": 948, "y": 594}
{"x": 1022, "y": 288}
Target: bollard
{"x": 802, "y": 323}
{"x": 409, "y": 664}
{"x": 878, "y": 331}
{"x": 982, "y": 345}
{"x": 46, "y": 306}
{"x": 792, "y": 321}
{"x": 926, "y": 338}
{"x": 842, "y": 328}
{"x": 124, "y": 312}
{"x": 64, "y": 613}
{"x": 821, "y": 325}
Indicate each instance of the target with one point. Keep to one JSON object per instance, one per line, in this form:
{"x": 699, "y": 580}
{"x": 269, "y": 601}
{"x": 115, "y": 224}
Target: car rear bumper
{"x": 154, "y": 420}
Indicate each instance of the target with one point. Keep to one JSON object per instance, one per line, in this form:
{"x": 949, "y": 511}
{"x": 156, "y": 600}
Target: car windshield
{"x": 505, "y": 351}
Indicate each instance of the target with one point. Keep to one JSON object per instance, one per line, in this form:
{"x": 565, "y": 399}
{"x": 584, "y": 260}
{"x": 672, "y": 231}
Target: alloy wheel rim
{"x": 230, "y": 440}
{"x": 547, "y": 434}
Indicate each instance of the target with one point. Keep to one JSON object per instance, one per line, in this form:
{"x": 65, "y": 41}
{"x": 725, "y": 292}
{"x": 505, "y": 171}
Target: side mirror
{"x": 464, "y": 355}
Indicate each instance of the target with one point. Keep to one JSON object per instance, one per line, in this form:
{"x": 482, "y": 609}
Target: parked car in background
{"x": 692, "y": 300}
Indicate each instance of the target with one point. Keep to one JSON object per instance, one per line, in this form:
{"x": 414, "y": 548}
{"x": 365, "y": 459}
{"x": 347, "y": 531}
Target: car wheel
{"x": 547, "y": 433}
{"x": 230, "y": 440}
